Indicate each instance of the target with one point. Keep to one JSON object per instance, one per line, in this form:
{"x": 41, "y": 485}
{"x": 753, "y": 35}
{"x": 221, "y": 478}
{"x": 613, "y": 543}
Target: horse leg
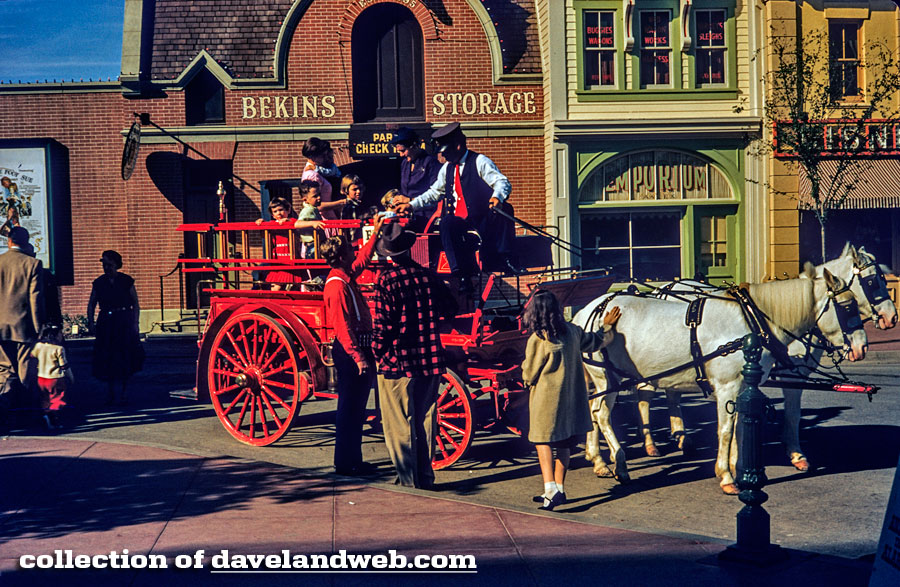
{"x": 645, "y": 394}
{"x": 616, "y": 453}
{"x": 592, "y": 443}
{"x": 727, "y": 441}
{"x": 676, "y": 422}
{"x": 791, "y": 432}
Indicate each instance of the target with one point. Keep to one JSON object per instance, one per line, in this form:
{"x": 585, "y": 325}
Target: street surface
{"x": 836, "y": 509}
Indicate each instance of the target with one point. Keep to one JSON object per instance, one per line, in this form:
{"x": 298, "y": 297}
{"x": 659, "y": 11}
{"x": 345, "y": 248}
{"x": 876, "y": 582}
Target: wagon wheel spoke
{"x": 226, "y": 389}
{"x": 262, "y": 418}
{"x": 234, "y": 402}
{"x": 281, "y": 369}
{"x": 235, "y": 348}
{"x": 456, "y": 429}
{"x": 445, "y": 415}
{"x": 449, "y": 438}
{"x": 271, "y": 358}
{"x": 240, "y": 421}
{"x": 440, "y": 445}
{"x": 222, "y": 353}
{"x": 250, "y": 359}
{"x": 225, "y": 372}
{"x": 252, "y": 433}
{"x": 272, "y": 412}
{"x": 275, "y": 396}
{"x": 454, "y": 402}
{"x": 272, "y": 383}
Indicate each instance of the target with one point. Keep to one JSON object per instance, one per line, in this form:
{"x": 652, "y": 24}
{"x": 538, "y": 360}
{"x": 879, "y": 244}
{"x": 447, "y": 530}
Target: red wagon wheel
{"x": 454, "y": 422}
{"x": 258, "y": 374}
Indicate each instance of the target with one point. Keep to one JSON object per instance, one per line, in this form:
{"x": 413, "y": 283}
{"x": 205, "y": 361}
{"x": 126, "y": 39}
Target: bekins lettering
{"x": 265, "y": 107}
{"x": 456, "y": 103}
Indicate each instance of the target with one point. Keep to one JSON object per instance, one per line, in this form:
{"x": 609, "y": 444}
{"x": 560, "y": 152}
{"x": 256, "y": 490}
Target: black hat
{"x": 446, "y": 136}
{"x": 18, "y": 236}
{"x": 405, "y": 136}
{"x": 395, "y": 240}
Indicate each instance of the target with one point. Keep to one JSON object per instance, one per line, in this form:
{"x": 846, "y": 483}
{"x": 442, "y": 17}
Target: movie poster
{"x": 23, "y": 197}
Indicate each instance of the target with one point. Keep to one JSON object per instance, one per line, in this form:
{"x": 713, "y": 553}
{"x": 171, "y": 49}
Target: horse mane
{"x": 789, "y": 304}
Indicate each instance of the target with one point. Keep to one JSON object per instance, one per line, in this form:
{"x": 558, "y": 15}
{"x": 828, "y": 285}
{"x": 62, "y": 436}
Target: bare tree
{"x": 804, "y": 99}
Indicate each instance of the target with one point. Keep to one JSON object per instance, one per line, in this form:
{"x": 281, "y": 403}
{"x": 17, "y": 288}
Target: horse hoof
{"x": 801, "y": 465}
{"x": 623, "y": 477}
{"x": 685, "y": 445}
{"x": 652, "y": 451}
{"x": 603, "y": 472}
{"x": 730, "y": 489}
{"x": 620, "y": 467}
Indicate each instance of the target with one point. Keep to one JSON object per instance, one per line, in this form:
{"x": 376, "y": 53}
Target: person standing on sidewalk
{"x": 347, "y": 314}
{"x": 21, "y": 306}
{"x": 559, "y": 413}
{"x": 410, "y": 302}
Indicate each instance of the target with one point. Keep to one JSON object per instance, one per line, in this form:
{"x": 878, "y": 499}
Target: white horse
{"x": 652, "y": 338}
{"x": 867, "y": 283}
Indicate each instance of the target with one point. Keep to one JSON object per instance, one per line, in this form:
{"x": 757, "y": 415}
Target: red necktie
{"x": 461, "y": 210}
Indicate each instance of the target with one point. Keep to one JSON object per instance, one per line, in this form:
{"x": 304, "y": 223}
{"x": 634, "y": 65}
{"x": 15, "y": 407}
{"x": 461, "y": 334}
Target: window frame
{"x": 859, "y": 97}
{"x": 195, "y": 108}
{"x": 640, "y": 48}
{"x": 730, "y": 47}
{"x": 615, "y": 50}
{"x": 710, "y": 48}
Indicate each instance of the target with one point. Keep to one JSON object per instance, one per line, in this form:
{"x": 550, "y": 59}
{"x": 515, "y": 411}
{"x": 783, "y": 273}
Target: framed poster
{"x": 34, "y": 192}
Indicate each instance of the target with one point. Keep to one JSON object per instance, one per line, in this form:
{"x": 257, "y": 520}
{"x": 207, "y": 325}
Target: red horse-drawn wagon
{"x": 263, "y": 353}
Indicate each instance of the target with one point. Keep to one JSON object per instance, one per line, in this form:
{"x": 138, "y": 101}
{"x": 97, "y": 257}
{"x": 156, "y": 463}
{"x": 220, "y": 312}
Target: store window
{"x": 638, "y": 246}
{"x": 711, "y": 47}
{"x": 656, "y": 48}
{"x": 599, "y": 44}
{"x": 204, "y": 100}
{"x": 844, "y": 65}
{"x": 387, "y": 65}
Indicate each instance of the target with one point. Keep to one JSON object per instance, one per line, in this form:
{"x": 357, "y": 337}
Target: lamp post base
{"x": 766, "y": 556}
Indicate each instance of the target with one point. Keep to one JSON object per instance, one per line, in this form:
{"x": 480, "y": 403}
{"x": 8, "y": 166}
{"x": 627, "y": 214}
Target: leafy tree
{"x": 804, "y": 89}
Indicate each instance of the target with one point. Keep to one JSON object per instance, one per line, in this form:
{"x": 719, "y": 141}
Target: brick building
{"x": 246, "y": 85}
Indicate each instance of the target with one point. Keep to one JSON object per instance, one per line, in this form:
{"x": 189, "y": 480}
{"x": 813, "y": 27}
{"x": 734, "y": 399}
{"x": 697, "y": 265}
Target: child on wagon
{"x": 559, "y": 414}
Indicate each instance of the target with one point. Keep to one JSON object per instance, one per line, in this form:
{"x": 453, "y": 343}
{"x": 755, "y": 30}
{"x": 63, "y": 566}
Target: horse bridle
{"x": 847, "y": 312}
{"x": 874, "y": 286}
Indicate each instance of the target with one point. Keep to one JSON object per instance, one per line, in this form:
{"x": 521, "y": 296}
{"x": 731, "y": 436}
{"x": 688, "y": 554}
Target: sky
{"x": 60, "y": 39}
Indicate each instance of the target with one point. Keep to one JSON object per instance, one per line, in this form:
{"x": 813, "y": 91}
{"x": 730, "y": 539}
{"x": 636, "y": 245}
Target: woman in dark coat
{"x": 117, "y": 348}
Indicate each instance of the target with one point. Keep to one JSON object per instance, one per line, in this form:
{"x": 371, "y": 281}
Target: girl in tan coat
{"x": 554, "y": 372}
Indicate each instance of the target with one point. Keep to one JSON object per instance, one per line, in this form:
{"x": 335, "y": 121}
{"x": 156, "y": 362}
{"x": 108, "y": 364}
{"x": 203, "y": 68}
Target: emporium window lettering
{"x": 265, "y": 107}
{"x": 657, "y": 176}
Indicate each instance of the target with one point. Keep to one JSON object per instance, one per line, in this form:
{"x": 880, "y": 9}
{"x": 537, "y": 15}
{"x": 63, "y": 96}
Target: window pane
{"x": 607, "y": 30}
{"x": 591, "y": 68}
{"x": 604, "y": 231}
{"x": 657, "y": 229}
{"x": 657, "y": 264}
{"x": 607, "y": 68}
{"x": 616, "y": 259}
{"x": 591, "y": 29}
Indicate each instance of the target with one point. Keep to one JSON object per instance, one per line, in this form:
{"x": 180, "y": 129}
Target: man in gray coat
{"x": 20, "y": 311}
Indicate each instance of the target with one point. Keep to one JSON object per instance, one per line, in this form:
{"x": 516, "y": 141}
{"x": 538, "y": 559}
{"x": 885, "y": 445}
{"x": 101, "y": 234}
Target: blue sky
{"x": 61, "y": 39}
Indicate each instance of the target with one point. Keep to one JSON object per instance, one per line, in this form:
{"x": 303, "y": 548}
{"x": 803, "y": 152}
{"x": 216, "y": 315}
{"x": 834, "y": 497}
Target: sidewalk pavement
{"x": 884, "y": 345}
{"x": 93, "y": 498}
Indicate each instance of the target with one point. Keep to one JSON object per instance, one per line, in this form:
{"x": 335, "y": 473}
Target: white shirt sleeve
{"x": 492, "y": 176}
{"x": 434, "y": 193}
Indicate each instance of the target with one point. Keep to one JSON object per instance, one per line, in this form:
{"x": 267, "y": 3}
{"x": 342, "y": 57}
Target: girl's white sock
{"x": 559, "y": 488}
{"x": 550, "y": 488}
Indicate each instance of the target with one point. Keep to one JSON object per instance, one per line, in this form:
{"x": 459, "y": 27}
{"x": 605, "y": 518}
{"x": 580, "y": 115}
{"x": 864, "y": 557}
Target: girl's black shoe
{"x": 558, "y": 498}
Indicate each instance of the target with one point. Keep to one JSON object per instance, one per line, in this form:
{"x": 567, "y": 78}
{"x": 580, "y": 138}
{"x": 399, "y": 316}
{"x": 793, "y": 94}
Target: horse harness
{"x": 754, "y": 317}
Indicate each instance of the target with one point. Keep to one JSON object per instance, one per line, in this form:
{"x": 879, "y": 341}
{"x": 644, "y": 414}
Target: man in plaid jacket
{"x": 410, "y": 302}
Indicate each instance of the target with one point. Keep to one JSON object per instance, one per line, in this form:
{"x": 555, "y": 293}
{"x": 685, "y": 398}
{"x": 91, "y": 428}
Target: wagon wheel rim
{"x": 454, "y": 422}
{"x": 257, "y": 377}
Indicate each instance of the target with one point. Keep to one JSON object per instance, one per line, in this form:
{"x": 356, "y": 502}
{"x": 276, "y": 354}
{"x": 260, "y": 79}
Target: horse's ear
{"x": 809, "y": 270}
{"x": 851, "y": 250}
{"x": 830, "y": 280}
{"x": 848, "y": 249}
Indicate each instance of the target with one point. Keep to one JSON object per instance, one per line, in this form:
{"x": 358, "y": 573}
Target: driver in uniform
{"x": 468, "y": 187}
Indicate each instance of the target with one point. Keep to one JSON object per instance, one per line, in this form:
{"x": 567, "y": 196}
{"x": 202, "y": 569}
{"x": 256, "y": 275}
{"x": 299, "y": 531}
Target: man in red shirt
{"x": 410, "y": 303}
{"x": 347, "y": 314}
